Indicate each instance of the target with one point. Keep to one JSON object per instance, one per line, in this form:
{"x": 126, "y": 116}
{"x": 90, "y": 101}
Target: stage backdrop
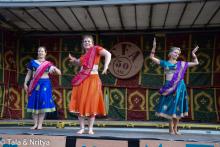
{"x": 134, "y": 98}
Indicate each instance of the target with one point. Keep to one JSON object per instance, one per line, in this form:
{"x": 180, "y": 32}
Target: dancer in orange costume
{"x": 87, "y": 97}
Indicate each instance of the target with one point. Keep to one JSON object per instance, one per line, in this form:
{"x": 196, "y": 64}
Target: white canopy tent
{"x": 108, "y": 15}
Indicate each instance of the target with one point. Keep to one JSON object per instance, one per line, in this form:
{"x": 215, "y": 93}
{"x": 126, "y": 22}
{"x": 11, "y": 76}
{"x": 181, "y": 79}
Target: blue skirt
{"x": 41, "y": 100}
{"x": 174, "y": 105}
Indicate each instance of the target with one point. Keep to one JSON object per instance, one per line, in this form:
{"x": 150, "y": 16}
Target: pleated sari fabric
{"x": 87, "y": 97}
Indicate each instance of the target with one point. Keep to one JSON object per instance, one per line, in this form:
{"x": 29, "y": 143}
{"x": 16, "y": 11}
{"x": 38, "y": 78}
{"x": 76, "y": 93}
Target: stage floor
{"x": 120, "y": 133}
{"x": 132, "y": 132}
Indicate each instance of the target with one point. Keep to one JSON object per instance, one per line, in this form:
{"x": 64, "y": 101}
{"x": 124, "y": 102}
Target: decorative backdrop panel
{"x": 204, "y": 105}
{"x": 117, "y": 104}
{"x": 136, "y": 104}
{"x": 135, "y": 98}
{"x": 202, "y": 74}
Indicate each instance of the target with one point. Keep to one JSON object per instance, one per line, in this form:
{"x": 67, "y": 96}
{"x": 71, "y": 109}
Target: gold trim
{"x": 192, "y": 103}
{"x": 172, "y": 116}
{"x": 17, "y": 56}
{"x": 126, "y": 104}
{"x": 41, "y": 110}
{"x": 116, "y": 124}
{"x": 60, "y": 56}
{"x": 147, "y": 112}
{"x": 87, "y": 114}
{"x": 17, "y": 99}
{"x": 22, "y": 102}
{"x": 3, "y": 101}
{"x": 151, "y": 98}
{"x": 213, "y": 57}
{"x": 140, "y": 77}
{"x": 65, "y": 104}
{"x": 216, "y": 107}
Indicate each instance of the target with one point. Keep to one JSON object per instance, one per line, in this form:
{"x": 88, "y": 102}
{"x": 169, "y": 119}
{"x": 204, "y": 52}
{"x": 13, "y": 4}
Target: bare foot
{"x": 39, "y": 128}
{"x": 34, "y": 127}
{"x": 91, "y": 132}
{"x": 171, "y": 133}
{"x": 81, "y": 131}
{"x": 177, "y": 133}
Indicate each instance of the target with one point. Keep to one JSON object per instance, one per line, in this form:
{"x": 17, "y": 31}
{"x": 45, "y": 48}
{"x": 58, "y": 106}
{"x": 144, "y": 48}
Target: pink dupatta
{"x": 39, "y": 72}
{"x": 87, "y": 65}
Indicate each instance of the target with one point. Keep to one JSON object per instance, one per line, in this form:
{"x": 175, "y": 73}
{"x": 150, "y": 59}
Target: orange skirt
{"x": 87, "y": 98}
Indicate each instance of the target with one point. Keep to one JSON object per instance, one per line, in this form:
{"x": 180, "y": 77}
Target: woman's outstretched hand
{"x": 154, "y": 44}
{"x": 194, "y": 51}
{"x": 153, "y": 48}
{"x": 71, "y": 58}
{"x": 105, "y": 70}
{"x": 152, "y": 57}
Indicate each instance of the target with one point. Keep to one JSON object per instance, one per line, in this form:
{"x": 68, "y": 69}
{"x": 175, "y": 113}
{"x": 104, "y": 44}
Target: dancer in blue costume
{"x": 39, "y": 90}
{"x": 173, "y": 102}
